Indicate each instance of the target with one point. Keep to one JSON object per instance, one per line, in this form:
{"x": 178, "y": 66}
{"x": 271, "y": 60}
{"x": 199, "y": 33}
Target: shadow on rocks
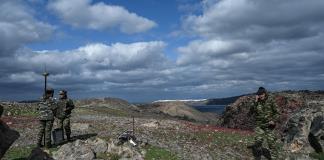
{"x": 39, "y": 154}
{"x": 78, "y": 137}
{"x": 84, "y": 136}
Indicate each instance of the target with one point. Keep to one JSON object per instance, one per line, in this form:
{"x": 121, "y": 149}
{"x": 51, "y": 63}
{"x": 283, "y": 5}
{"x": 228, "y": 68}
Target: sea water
{"x": 211, "y": 108}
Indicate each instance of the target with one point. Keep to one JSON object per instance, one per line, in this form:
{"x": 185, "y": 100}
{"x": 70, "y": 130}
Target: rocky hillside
{"x": 116, "y": 106}
{"x": 300, "y": 125}
{"x": 184, "y": 111}
{"x": 237, "y": 114}
{"x": 108, "y": 102}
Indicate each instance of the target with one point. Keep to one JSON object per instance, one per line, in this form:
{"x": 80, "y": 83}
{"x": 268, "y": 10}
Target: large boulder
{"x": 7, "y": 136}
{"x": 304, "y": 131}
{"x": 98, "y": 145}
{"x": 239, "y": 115}
{"x": 78, "y": 150}
{"x": 90, "y": 149}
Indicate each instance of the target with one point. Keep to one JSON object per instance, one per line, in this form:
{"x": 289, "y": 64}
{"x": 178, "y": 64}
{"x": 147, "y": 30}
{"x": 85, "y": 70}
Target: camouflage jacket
{"x": 64, "y": 109}
{"x": 46, "y": 109}
{"x": 266, "y": 111}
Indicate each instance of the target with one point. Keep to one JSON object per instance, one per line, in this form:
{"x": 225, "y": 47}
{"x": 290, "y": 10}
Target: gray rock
{"x": 77, "y": 150}
{"x": 304, "y": 130}
{"x": 82, "y": 127}
{"x": 86, "y": 150}
{"x": 98, "y": 145}
{"x": 125, "y": 151}
{"x": 7, "y": 137}
{"x": 154, "y": 124}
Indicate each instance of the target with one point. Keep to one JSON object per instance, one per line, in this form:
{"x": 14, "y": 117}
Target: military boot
{"x": 256, "y": 150}
{"x": 48, "y": 145}
{"x": 68, "y": 137}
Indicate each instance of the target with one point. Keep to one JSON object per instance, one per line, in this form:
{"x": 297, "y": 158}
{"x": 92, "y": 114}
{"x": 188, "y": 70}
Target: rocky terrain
{"x": 182, "y": 110}
{"x": 300, "y": 123}
{"x": 173, "y": 130}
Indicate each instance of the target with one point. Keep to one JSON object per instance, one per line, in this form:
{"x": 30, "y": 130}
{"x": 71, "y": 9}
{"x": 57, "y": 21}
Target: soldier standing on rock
{"x": 266, "y": 114}
{"x": 63, "y": 113}
{"x": 46, "y": 110}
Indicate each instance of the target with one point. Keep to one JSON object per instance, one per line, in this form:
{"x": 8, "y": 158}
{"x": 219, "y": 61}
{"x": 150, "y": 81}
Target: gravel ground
{"x": 186, "y": 139}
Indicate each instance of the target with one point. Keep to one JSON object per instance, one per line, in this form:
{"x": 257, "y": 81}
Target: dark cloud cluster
{"x": 258, "y": 20}
{"x": 281, "y": 46}
{"x": 19, "y": 27}
{"x": 92, "y": 68}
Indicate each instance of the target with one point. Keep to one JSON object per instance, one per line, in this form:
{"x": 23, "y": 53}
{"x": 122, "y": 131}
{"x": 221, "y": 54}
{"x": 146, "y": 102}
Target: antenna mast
{"x": 45, "y": 74}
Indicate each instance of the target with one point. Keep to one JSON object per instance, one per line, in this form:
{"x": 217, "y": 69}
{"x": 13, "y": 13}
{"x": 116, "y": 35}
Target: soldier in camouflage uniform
{"x": 266, "y": 114}
{"x": 65, "y": 106}
{"x": 46, "y": 110}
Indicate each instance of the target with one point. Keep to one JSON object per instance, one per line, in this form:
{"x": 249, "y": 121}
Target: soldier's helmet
{"x": 49, "y": 91}
{"x": 261, "y": 91}
{"x": 62, "y": 92}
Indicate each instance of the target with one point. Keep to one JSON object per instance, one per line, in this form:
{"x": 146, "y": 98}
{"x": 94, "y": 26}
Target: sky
{"x": 148, "y": 50}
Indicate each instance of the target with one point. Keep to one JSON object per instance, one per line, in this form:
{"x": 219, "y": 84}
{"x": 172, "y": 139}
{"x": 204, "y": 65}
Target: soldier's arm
{"x": 54, "y": 104}
{"x": 70, "y": 105}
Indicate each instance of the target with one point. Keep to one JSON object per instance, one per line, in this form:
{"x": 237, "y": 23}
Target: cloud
{"x": 235, "y": 47}
{"x": 202, "y": 51}
{"x": 18, "y": 27}
{"x": 243, "y": 43}
{"x": 98, "y": 56}
{"x": 258, "y": 20}
{"x": 94, "y": 67}
{"x": 99, "y": 16}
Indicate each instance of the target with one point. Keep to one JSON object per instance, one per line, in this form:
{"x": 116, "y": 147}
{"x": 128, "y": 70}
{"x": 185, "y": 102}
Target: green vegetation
{"x": 22, "y": 153}
{"x": 101, "y": 111}
{"x": 154, "y": 153}
{"x": 224, "y": 138}
{"x": 186, "y": 118}
{"x": 20, "y": 110}
{"x": 319, "y": 156}
{"x": 18, "y": 153}
{"x": 109, "y": 156}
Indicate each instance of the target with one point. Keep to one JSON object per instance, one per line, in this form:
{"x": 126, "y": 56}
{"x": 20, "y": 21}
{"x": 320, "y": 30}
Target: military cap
{"x": 261, "y": 91}
{"x": 49, "y": 90}
{"x": 62, "y": 92}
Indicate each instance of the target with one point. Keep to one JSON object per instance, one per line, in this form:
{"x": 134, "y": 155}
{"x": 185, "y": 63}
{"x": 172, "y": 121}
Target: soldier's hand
{"x": 272, "y": 123}
{"x": 256, "y": 98}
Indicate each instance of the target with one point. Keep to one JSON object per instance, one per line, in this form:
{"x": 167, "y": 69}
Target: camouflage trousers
{"x": 65, "y": 124}
{"x": 45, "y": 129}
{"x": 267, "y": 135}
